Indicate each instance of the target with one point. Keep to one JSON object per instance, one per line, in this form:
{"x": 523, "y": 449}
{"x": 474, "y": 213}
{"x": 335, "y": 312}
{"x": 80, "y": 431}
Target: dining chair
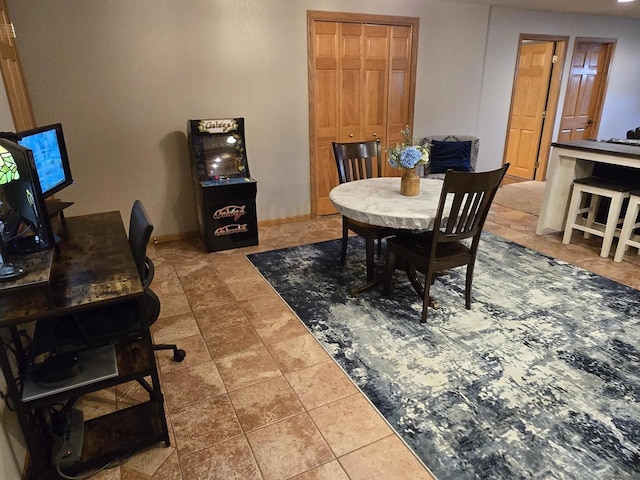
{"x": 462, "y": 210}
{"x": 357, "y": 161}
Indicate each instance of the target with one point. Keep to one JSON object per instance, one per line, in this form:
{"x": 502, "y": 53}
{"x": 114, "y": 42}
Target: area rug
{"x": 523, "y": 196}
{"x": 539, "y": 380}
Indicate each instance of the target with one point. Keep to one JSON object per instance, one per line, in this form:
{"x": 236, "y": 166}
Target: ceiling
{"x": 590, "y": 7}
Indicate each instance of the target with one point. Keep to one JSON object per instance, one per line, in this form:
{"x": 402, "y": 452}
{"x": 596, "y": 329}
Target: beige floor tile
{"x": 278, "y": 327}
{"x": 227, "y": 341}
{"x": 204, "y": 424}
{"x": 320, "y": 384}
{"x": 228, "y": 460}
{"x": 222, "y": 315}
{"x": 298, "y": 352}
{"x": 190, "y": 385}
{"x": 265, "y": 403}
{"x": 195, "y": 348}
{"x": 244, "y": 289}
{"x": 170, "y": 469}
{"x": 269, "y": 305}
{"x": 149, "y": 461}
{"x": 289, "y": 447}
{"x": 202, "y": 298}
{"x": 174, "y": 304}
{"x": 170, "y": 329}
{"x": 349, "y": 423}
{"x": 247, "y": 368}
{"x": 385, "y": 459}
{"x": 328, "y": 471}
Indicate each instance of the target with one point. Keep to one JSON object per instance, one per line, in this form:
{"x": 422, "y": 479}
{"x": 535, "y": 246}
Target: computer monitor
{"x": 27, "y": 226}
{"x": 50, "y": 155}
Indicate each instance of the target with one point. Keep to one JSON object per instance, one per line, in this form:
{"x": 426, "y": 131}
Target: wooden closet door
{"x": 326, "y": 109}
{"x": 351, "y": 65}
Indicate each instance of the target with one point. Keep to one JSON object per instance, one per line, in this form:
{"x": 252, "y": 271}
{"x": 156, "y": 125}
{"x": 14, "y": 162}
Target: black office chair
{"x": 465, "y": 200}
{"x": 355, "y": 161}
{"x": 113, "y": 323}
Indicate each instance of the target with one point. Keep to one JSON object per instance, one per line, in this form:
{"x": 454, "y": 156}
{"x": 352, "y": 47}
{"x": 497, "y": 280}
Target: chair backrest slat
{"x": 357, "y": 160}
{"x": 464, "y": 204}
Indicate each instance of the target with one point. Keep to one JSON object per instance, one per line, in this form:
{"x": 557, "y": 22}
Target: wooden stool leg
{"x": 627, "y": 228}
{"x": 594, "y": 205}
{"x": 612, "y": 223}
{"x": 574, "y": 207}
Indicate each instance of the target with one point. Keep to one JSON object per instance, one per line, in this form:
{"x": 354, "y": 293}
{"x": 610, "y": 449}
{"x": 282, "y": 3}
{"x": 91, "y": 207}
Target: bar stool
{"x": 598, "y": 188}
{"x": 627, "y": 237}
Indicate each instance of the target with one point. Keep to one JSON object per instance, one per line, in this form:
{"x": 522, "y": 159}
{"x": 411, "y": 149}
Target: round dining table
{"x": 378, "y": 201}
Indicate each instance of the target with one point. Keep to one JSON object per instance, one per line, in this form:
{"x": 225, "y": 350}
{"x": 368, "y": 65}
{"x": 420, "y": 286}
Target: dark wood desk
{"x": 92, "y": 266}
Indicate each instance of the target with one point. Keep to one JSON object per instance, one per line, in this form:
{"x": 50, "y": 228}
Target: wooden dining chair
{"x": 462, "y": 210}
{"x": 357, "y": 161}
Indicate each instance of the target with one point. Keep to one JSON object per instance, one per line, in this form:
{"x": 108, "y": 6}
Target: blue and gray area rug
{"x": 539, "y": 380}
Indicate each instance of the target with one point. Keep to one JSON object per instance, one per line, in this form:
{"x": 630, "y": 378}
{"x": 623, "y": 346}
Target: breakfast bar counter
{"x": 576, "y": 159}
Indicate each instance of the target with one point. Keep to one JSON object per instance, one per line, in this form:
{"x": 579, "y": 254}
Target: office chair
{"x": 355, "y": 161}
{"x": 464, "y": 204}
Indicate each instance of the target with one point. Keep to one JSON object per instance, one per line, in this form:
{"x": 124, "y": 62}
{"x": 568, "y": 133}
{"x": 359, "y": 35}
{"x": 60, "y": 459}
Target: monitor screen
{"x": 50, "y": 155}
{"x": 27, "y": 226}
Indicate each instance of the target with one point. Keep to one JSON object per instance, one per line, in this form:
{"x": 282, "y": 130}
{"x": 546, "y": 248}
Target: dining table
{"x": 378, "y": 201}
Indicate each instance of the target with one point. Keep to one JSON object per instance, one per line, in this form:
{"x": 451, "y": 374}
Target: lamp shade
{"x": 8, "y": 173}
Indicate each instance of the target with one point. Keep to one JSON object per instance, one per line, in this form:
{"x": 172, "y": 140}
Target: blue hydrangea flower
{"x": 410, "y": 157}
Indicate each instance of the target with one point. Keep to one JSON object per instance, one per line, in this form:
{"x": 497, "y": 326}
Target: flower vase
{"x": 410, "y": 183}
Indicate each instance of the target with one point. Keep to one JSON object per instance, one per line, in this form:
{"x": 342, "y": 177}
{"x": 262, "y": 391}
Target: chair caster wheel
{"x": 179, "y": 355}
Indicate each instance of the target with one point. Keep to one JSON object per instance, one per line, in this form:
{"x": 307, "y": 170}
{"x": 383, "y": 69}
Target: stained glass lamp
{"x": 8, "y": 173}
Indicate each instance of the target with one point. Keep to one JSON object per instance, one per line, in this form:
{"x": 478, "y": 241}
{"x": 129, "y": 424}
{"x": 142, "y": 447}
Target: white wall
{"x": 124, "y": 77}
{"x": 621, "y": 110}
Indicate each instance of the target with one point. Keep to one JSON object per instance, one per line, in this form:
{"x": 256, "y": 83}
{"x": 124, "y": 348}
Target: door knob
{"x": 375, "y": 134}
{"x": 351, "y": 134}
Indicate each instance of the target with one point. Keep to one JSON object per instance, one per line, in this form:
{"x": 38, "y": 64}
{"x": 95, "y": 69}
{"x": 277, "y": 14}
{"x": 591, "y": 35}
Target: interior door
{"x": 586, "y": 90}
{"x": 528, "y": 108}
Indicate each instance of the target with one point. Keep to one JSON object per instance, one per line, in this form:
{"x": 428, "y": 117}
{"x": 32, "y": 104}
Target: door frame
{"x": 343, "y": 17}
{"x": 553, "y": 96}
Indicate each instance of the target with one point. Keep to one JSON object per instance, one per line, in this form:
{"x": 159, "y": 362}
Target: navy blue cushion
{"x": 445, "y": 156}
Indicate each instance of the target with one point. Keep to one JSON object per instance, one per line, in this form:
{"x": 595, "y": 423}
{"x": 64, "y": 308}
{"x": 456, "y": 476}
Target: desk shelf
{"x": 118, "y": 435}
{"x": 134, "y": 360}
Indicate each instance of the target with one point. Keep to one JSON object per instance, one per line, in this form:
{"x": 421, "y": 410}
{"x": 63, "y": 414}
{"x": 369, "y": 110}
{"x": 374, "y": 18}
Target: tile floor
{"x": 256, "y": 396}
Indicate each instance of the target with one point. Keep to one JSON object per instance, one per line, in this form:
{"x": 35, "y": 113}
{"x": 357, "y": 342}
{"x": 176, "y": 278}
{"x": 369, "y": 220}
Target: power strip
{"x": 67, "y": 450}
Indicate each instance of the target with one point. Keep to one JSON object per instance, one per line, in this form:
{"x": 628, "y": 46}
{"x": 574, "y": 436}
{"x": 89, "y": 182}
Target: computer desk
{"x": 92, "y": 266}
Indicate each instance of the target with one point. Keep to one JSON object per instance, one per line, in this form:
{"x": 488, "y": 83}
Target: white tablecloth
{"x": 378, "y": 201}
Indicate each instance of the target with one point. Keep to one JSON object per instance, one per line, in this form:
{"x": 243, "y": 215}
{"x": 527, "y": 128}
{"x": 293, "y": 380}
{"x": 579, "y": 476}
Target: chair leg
{"x": 468, "y": 283}
{"x": 345, "y": 238}
{"x": 427, "y": 298}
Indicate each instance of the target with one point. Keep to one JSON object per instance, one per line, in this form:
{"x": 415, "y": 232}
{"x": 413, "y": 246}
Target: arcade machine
{"x": 225, "y": 193}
